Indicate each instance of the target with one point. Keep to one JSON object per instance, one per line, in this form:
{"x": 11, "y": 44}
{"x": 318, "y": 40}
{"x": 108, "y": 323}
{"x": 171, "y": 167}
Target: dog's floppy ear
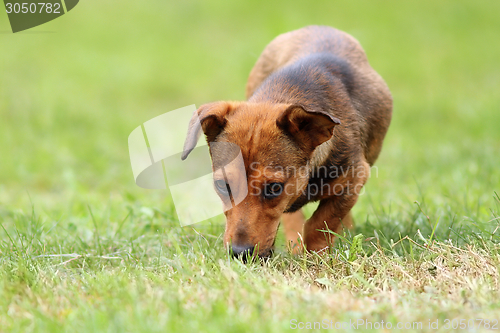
{"x": 308, "y": 128}
{"x": 211, "y": 118}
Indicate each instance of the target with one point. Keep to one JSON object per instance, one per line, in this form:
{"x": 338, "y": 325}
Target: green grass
{"x": 82, "y": 249}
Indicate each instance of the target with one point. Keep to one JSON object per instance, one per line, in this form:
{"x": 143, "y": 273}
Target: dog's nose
{"x": 244, "y": 252}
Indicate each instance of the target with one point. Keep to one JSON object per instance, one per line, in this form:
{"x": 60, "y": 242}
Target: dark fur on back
{"x": 330, "y": 67}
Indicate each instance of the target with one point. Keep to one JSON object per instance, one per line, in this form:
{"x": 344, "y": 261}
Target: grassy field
{"x": 83, "y": 249}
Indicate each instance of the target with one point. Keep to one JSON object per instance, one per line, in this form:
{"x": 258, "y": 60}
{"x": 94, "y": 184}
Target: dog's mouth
{"x": 267, "y": 254}
{"x": 250, "y": 255}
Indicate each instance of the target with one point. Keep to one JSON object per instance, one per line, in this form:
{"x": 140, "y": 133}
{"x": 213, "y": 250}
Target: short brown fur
{"x": 314, "y": 105}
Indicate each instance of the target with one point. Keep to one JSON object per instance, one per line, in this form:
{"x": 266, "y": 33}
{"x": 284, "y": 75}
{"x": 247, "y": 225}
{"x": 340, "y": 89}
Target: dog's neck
{"x": 321, "y": 154}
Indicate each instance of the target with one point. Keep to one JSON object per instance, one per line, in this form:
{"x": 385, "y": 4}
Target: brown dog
{"x": 314, "y": 123}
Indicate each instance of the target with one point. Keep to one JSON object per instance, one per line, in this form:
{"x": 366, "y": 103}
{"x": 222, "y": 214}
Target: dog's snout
{"x": 244, "y": 252}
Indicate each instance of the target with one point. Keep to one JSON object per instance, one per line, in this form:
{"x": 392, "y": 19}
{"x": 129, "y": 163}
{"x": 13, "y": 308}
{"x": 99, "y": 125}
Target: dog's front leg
{"x": 334, "y": 211}
{"x": 332, "y": 214}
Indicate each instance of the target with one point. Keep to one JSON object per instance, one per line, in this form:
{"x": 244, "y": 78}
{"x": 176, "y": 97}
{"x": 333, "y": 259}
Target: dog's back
{"x": 305, "y": 64}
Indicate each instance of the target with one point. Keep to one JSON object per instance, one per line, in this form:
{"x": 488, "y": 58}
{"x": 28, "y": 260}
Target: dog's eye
{"x": 222, "y": 187}
{"x": 273, "y": 190}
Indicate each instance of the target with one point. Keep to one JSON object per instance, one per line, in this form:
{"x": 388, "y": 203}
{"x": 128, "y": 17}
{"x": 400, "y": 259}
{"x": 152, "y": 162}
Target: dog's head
{"x": 276, "y": 143}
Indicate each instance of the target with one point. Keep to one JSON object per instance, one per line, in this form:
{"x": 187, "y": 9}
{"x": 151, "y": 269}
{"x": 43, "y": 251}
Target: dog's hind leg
{"x": 347, "y": 222}
{"x": 294, "y": 224}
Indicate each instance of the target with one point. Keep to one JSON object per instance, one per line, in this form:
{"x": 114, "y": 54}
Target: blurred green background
{"x": 73, "y": 89}
{"x": 98, "y": 253}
